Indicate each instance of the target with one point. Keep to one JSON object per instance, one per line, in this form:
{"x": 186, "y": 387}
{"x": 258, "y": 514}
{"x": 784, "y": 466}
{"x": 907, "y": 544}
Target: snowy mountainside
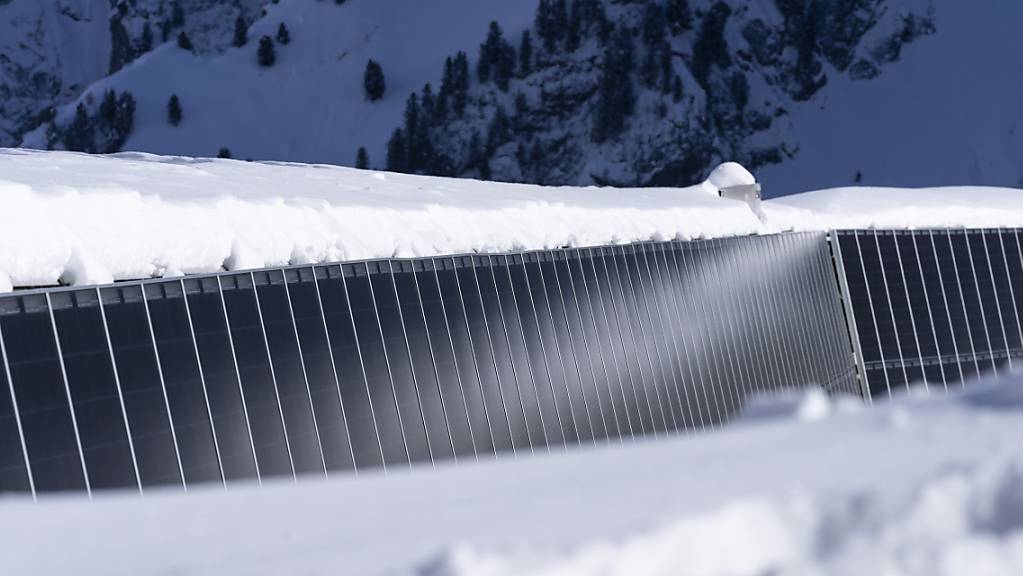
{"x": 309, "y": 106}
{"x": 916, "y": 486}
{"x": 651, "y": 93}
{"x": 948, "y": 112}
{"x": 53, "y": 50}
{"x": 742, "y": 69}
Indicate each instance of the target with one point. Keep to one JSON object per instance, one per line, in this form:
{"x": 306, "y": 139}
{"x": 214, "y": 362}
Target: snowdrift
{"x": 80, "y": 219}
{"x": 84, "y": 219}
{"x": 918, "y": 485}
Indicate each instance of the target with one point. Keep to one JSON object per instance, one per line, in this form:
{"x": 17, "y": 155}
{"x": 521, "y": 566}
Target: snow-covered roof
{"x": 83, "y": 219}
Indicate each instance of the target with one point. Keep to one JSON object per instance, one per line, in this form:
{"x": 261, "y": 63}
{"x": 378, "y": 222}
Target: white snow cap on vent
{"x": 730, "y": 174}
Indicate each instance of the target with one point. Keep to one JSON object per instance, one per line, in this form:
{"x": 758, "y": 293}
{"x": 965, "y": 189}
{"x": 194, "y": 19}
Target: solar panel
{"x": 309, "y": 371}
{"x": 932, "y": 307}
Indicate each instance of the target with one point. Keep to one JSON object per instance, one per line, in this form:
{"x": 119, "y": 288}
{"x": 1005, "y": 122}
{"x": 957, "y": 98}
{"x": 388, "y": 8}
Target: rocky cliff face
{"x": 645, "y": 92}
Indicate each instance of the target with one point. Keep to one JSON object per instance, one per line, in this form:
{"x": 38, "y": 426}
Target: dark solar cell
{"x": 520, "y": 364}
{"x": 14, "y": 475}
{"x": 320, "y": 371}
{"x": 452, "y": 398}
{"x": 397, "y": 352}
{"x": 506, "y": 377}
{"x": 558, "y": 298}
{"x": 425, "y": 372}
{"x": 483, "y": 350}
{"x": 175, "y": 362}
{"x": 289, "y": 372}
{"x": 269, "y": 434}
{"x": 374, "y": 361}
{"x": 465, "y": 359}
{"x": 628, "y": 347}
{"x": 97, "y": 400}
{"x": 596, "y": 341}
{"x": 39, "y": 386}
{"x": 217, "y": 366}
{"x": 362, "y": 427}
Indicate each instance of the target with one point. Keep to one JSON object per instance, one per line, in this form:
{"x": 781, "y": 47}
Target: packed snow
{"x": 918, "y": 485}
{"x": 84, "y": 219}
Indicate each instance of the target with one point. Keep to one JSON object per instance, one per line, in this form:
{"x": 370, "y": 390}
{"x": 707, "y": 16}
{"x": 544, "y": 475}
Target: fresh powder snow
{"x": 917, "y": 486}
{"x": 85, "y": 219}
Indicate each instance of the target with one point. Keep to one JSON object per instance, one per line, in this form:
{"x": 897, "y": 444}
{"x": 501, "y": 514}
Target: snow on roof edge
{"x": 69, "y": 218}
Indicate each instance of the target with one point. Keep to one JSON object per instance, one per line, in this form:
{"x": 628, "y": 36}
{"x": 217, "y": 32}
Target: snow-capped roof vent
{"x": 734, "y": 182}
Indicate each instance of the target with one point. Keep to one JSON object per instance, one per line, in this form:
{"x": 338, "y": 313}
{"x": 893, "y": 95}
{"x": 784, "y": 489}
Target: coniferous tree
{"x": 499, "y": 131}
{"x": 413, "y": 133}
{"x": 241, "y": 32}
{"x": 490, "y": 52}
{"x": 521, "y": 110}
{"x": 526, "y": 54}
{"x": 397, "y": 152}
{"x": 373, "y": 81}
{"x": 177, "y": 19}
{"x": 145, "y": 43}
{"x": 184, "y": 42}
{"x": 224, "y": 153}
{"x": 122, "y": 51}
{"x": 174, "y": 110}
{"x": 428, "y": 105}
{"x": 505, "y": 66}
{"x": 362, "y": 159}
{"x": 122, "y": 124}
{"x": 108, "y": 108}
{"x": 80, "y": 134}
{"x": 679, "y": 16}
{"x": 460, "y": 83}
{"x": 266, "y": 55}
{"x": 283, "y": 36}
{"x": 545, "y": 24}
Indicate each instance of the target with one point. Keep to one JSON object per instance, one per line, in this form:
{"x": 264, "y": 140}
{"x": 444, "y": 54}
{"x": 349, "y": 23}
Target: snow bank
{"x": 865, "y": 207}
{"x": 81, "y": 219}
{"x": 917, "y": 486}
{"x": 960, "y": 522}
{"x": 87, "y": 219}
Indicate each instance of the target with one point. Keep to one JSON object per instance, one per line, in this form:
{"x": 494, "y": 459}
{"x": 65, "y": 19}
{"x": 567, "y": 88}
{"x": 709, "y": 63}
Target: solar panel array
{"x": 319, "y": 370}
{"x": 933, "y": 307}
